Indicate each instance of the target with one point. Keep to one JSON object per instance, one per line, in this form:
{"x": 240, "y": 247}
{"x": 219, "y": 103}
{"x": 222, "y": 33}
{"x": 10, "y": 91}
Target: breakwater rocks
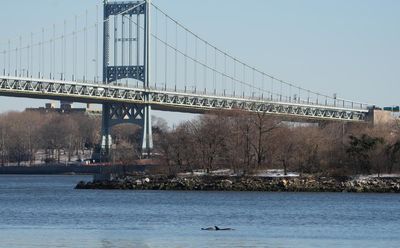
{"x": 218, "y": 183}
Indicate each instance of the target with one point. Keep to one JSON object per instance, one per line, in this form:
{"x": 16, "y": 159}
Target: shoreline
{"x": 60, "y": 169}
{"x": 261, "y": 184}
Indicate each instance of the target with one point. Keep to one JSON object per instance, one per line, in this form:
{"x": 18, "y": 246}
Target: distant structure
{"x": 394, "y": 109}
{"x": 65, "y": 108}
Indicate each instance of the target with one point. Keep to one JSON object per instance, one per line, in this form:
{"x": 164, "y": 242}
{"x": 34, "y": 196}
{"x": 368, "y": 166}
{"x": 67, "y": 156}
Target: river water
{"x": 46, "y": 211}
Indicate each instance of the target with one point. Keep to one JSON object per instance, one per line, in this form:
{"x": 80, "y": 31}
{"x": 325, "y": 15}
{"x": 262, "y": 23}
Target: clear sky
{"x": 348, "y": 47}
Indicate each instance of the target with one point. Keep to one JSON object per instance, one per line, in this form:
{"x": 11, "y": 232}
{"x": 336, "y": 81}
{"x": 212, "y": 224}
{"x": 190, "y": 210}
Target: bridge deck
{"x": 169, "y": 100}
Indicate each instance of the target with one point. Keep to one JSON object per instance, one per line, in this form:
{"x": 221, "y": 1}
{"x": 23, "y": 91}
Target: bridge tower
{"x": 125, "y": 66}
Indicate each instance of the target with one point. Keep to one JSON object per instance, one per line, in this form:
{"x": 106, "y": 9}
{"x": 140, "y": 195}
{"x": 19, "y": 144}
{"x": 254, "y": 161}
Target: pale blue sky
{"x": 349, "y": 47}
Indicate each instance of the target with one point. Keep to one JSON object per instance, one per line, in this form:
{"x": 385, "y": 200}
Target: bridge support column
{"x": 147, "y": 133}
{"x": 119, "y": 113}
{"x": 106, "y": 139}
{"x": 122, "y": 113}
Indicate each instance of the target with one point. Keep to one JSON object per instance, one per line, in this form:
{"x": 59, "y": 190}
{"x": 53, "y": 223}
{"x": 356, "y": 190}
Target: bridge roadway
{"x": 170, "y": 100}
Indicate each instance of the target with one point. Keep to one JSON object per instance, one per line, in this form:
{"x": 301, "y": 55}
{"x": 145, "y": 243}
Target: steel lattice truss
{"x": 169, "y": 101}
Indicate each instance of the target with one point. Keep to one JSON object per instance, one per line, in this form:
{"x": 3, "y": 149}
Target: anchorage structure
{"x": 127, "y": 67}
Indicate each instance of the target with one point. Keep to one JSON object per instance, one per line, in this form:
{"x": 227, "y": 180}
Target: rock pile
{"x": 219, "y": 183}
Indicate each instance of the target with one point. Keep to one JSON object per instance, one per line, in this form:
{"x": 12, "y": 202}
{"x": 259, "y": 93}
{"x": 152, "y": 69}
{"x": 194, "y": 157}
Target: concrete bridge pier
{"x": 378, "y": 117}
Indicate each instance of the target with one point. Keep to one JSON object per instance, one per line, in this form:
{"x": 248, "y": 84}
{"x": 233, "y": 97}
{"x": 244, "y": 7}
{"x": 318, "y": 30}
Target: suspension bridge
{"x": 149, "y": 60}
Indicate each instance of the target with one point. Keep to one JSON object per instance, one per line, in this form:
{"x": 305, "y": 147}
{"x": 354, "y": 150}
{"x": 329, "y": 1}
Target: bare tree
{"x": 263, "y": 124}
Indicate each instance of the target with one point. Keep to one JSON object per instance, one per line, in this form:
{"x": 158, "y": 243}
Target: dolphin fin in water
{"x": 208, "y": 229}
{"x": 216, "y": 228}
{"x": 223, "y": 229}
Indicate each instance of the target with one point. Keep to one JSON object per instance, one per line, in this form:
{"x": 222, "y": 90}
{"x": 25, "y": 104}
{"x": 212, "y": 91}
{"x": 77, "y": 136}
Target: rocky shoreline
{"x": 228, "y": 183}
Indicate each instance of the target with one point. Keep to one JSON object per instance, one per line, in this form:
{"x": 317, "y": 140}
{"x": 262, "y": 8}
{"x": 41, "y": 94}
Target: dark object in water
{"x": 216, "y": 228}
{"x": 208, "y": 229}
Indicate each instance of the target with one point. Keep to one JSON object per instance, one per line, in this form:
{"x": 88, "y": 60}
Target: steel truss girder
{"x": 81, "y": 92}
{"x": 122, "y": 113}
{"x": 115, "y": 8}
{"x": 115, "y": 73}
{"x": 199, "y": 102}
{"x": 184, "y": 102}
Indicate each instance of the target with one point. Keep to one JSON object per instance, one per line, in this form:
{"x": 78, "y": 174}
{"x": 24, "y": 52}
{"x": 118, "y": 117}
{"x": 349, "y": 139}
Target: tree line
{"x": 250, "y": 142}
{"x": 22, "y": 135}
{"x": 239, "y": 141}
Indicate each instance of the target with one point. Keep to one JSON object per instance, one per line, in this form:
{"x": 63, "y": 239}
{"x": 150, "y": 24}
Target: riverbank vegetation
{"x": 24, "y": 135}
{"x": 231, "y": 140}
{"x": 250, "y": 142}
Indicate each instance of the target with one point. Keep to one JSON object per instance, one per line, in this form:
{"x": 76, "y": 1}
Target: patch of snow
{"x": 276, "y": 173}
{"x": 377, "y": 176}
{"x": 224, "y": 172}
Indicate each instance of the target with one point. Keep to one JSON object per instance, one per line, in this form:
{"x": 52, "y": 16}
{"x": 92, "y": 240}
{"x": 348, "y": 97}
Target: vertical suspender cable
{"x": 224, "y": 77}
{"x": 176, "y": 54}
{"x": 205, "y": 66}
{"x": 195, "y": 64}
{"x": 16, "y": 61}
{"x": 263, "y": 86}
{"x": 31, "y": 65}
{"x": 253, "y": 82}
{"x": 96, "y": 47}
{"x": 156, "y": 52}
{"x": 64, "y": 51}
{"x": 234, "y": 77}
{"x": 75, "y": 50}
{"x": 54, "y": 51}
{"x": 40, "y": 58}
{"x": 28, "y": 62}
{"x": 272, "y": 88}
{"x": 27, "y": 58}
{"x": 215, "y": 71}
{"x": 20, "y": 55}
{"x": 244, "y": 79}
{"x": 115, "y": 46}
{"x": 298, "y": 97}
{"x": 130, "y": 41}
{"x": 5, "y": 62}
{"x": 50, "y": 42}
{"x": 51, "y": 58}
{"x": 86, "y": 44}
{"x": 9, "y": 56}
{"x": 15, "y": 65}
{"x": 186, "y": 51}
{"x": 138, "y": 49}
{"x": 6, "y": 53}
{"x": 166, "y": 53}
{"x": 42, "y": 72}
{"x": 62, "y": 56}
{"x": 122, "y": 39}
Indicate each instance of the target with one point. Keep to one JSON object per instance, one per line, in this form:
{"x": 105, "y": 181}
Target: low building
{"x": 65, "y": 108}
